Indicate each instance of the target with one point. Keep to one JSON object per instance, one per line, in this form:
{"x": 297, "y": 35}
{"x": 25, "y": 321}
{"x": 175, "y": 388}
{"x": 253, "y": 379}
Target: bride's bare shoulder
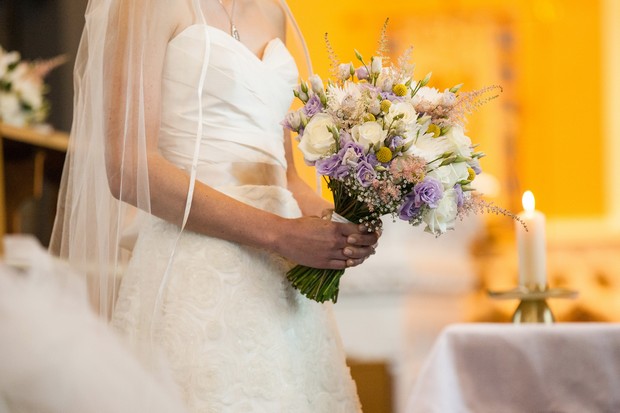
{"x": 274, "y": 12}
{"x": 163, "y": 17}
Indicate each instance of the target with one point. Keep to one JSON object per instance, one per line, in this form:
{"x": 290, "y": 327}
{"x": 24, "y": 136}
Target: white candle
{"x": 531, "y": 246}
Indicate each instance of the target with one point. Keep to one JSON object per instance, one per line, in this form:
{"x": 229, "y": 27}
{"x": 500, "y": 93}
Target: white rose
{"x": 450, "y": 174}
{"x": 317, "y": 84}
{"x": 317, "y": 141}
{"x": 439, "y": 220}
{"x": 410, "y": 116}
{"x": 461, "y": 144}
{"x": 368, "y": 133}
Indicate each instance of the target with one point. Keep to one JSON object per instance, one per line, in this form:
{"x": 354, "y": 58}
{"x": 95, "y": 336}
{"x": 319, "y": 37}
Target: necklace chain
{"x": 233, "y": 29}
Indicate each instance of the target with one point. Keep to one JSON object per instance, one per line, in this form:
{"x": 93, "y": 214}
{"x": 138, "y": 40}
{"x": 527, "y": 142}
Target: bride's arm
{"x": 309, "y": 241}
{"x": 310, "y": 203}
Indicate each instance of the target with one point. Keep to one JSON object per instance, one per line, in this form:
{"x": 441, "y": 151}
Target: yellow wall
{"x": 544, "y": 132}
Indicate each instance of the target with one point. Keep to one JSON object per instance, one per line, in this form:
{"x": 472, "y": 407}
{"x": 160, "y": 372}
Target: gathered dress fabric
{"x": 236, "y": 336}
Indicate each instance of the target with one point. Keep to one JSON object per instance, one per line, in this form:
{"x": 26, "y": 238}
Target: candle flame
{"x": 528, "y": 201}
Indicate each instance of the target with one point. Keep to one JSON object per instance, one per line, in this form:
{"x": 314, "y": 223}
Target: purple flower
{"x": 475, "y": 165}
{"x": 354, "y": 146}
{"x": 361, "y": 73}
{"x": 365, "y": 173}
{"x": 328, "y": 166}
{"x": 371, "y": 158}
{"x": 313, "y": 106}
{"x": 428, "y": 192}
{"x": 459, "y": 195}
{"x": 332, "y": 167}
{"x": 345, "y": 137}
{"x": 395, "y": 143}
{"x": 408, "y": 210}
{"x": 351, "y": 153}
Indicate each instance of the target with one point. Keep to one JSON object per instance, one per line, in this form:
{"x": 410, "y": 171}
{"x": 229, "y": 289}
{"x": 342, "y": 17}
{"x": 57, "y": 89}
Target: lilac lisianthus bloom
{"x": 408, "y": 209}
{"x": 345, "y": 137}
{"x": 351, "y": 153}
{"x": 328, "y": 166}
{"x": 428, "y": 192}
{"x": 313, "y": 106}
{"x": 365, "y": 173}
{"x": 395, "y": 143}
{"x": 475, "y": 165}
{"x": 361, "y": 73}
{"x": 333, "y": 167}
{"x": 459, "y": 195}
{"x": 371, "y": 158}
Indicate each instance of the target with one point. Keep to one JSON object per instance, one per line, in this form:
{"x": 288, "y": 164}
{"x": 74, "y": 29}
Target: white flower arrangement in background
{"x": 22, "y": 88}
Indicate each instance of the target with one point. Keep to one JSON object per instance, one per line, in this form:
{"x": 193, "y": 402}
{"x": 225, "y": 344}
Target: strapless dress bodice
{"x": 243, "y": 99}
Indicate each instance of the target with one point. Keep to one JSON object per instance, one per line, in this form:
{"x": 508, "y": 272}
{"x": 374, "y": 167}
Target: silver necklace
{"x": 233, "y": 29}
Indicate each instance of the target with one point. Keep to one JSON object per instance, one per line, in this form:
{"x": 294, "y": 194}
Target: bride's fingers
{"x": 344, "y": 264}
{"x": 354, "y": 252}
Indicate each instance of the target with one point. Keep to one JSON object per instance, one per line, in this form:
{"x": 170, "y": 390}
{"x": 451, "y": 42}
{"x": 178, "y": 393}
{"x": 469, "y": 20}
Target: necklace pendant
{"x": 234, "y": 32}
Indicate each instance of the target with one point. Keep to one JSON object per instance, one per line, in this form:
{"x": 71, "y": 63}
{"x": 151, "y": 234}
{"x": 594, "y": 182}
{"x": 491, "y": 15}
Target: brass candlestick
{"x": 533, "y": 307}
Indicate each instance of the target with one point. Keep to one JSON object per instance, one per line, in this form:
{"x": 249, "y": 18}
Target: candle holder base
{"x": 533, "y": 307}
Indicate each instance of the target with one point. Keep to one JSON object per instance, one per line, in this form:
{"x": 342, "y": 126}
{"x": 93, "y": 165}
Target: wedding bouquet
{"x": 386, "y": 144}
{"x": 22, "y": 89}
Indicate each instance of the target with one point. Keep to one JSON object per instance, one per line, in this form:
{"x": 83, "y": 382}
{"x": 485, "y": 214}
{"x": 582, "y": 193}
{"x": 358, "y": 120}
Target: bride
{"x": 180, "y": 187}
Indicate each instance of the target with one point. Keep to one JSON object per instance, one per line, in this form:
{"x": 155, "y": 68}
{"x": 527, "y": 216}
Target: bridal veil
{"x": 105, "y": 189}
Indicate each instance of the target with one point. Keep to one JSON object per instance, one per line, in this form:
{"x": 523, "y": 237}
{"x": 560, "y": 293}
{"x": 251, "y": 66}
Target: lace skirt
{"x": 236, "y": 336}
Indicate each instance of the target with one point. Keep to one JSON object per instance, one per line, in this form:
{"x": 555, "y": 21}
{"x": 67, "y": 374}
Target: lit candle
{"x": 531, "y": 246}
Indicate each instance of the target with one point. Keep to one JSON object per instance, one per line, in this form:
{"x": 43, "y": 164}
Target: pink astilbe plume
{"x": 469, "y": 102}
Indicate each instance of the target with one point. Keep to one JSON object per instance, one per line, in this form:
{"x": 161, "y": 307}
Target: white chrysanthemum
{"x": 429, "y": 148}
{"x": 428, "y": 94}
{"x": 345, "y": 102}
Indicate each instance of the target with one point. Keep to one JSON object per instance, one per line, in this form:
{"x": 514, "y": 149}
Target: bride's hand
{"x": 320, "y": 243}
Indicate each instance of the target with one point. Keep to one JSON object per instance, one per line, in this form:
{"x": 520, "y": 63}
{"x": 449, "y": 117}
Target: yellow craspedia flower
{"x": 471, "y": 174}
{"x": 385, "y": 105}
{"x": 434, "y": 129}
{"x": 399, "y": 89}
{"x": 384, "y": 154}
{"x": 369, "y": 117}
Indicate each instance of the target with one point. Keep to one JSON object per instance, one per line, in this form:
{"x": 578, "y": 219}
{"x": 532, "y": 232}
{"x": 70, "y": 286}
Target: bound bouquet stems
{"x": 322, "y": 284}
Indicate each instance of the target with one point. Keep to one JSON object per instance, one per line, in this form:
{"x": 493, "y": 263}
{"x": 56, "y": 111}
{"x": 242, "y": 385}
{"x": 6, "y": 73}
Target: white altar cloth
{"x": 560, "y": 368}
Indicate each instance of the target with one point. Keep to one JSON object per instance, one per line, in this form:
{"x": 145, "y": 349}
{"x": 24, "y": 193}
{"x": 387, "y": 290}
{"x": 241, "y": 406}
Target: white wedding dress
{"x": 238, "y": 338}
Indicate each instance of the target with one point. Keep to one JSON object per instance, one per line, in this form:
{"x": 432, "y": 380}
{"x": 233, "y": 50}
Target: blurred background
{"x": 554, "y": 129}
